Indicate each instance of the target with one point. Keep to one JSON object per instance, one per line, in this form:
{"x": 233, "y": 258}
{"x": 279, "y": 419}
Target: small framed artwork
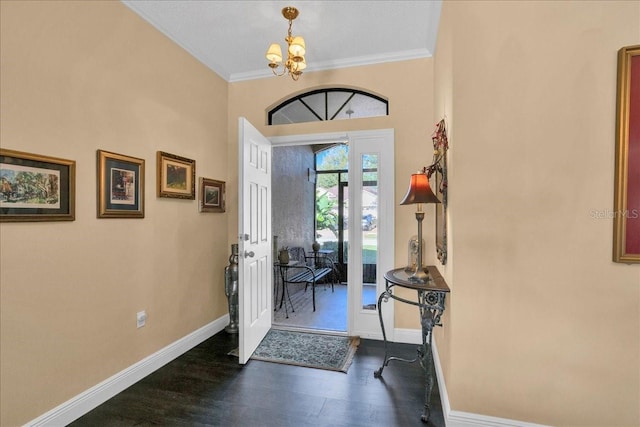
{"x": 120, "y": 186}
{"x": 176, "y": 176}
{"x": 36, "y": 188}
{"x": 626, "y": 218}
{"x": 211, "y": 195}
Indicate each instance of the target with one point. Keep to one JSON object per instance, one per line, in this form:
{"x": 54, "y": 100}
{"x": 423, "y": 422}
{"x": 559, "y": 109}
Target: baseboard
{"x": 407, "y": 336}
{"x": 86, "y": 401}
{"x": 454, "y": 418}
{"x": 466, "y": 419}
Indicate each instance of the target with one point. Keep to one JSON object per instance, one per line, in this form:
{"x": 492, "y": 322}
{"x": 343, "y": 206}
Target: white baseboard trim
{"x": 453, "y": 418}
{"x": 79, "y": 405}
{"x": 466, "y": 419}
{"x": 407, "y": 336}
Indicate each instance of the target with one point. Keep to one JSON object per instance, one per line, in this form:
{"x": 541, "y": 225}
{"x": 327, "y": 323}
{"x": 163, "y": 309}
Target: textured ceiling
{"x": 231, "y": 37}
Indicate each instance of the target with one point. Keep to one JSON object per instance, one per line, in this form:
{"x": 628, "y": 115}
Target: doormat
{"x": 311, "y": 350}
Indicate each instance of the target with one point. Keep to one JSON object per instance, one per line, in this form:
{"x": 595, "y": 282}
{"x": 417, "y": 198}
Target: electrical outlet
{"x": 141, "y": 318}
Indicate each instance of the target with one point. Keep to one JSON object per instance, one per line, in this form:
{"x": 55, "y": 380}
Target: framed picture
{"x": 211, "y": 195}
{"x": 120, "y": 186}
{"x": 626, "y": 218}
{"x": 176, "y": 176}
{"x": 36, "y": 188}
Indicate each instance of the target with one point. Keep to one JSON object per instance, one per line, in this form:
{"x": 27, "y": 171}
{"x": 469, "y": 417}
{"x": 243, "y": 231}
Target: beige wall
{"x": 77, "y": 77}
{"x": 542, "y": 326}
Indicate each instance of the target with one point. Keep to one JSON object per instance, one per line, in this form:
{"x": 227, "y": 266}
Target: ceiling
{"x": 232, "y": 37}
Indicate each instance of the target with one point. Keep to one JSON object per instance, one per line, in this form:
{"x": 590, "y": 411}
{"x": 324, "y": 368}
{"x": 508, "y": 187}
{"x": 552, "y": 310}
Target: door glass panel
{"x": 327, "y": 207}
{"x": 344, "y": 229}
{"x": 332, "y": 203}
{"x": 361, "y": 106}
{"x": 293, "y": 113}
{"x": 336, "y": 101}
{"x": 369, "y": 230}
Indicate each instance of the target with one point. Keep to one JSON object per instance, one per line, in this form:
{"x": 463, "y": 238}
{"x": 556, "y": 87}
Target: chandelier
{"x": 295, "y": 62}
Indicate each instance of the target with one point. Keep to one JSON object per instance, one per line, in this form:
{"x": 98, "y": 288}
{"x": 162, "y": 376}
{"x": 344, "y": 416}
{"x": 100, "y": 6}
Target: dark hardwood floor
{"x": 207, "y": 387}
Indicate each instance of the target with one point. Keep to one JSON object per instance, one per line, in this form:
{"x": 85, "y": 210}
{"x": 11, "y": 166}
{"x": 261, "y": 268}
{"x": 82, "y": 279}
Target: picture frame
{"x": 34, "y": 187}
{"x": 120, "y": 189}
{"x": 212, "y": 195}
{"x": 626, "y": 214}
{"x": 176, "y": 176}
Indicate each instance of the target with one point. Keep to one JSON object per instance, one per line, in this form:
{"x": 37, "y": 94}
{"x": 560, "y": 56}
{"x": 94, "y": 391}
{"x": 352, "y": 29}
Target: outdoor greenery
{"x": 331, "y": 164}
{"x": 333, "y": 159}
{"x": 326, "y": 214}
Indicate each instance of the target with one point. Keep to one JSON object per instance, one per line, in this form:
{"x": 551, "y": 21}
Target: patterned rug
{"x": 330, "y": 352}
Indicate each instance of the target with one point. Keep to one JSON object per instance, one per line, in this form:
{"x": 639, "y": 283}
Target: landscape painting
{"x": 176, "y": 176}
{"x": 211, "y": 195}
{"x": 27, "y": 187}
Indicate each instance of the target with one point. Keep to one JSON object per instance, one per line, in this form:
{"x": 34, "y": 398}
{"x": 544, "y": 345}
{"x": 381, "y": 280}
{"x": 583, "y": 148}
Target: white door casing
{"x": 364, "y": 323}
{"x": 255, "y": 265}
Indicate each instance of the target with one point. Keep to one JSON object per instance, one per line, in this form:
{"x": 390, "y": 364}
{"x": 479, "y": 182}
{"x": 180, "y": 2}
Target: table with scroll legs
{"x": 430, "y": 301}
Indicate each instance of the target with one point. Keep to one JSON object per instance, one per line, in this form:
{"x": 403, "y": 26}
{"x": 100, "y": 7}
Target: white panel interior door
{"x": 255, "y": 266}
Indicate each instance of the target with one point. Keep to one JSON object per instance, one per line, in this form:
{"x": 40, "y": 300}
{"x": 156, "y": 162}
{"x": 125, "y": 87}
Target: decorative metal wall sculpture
{"x": 437, "y": 173}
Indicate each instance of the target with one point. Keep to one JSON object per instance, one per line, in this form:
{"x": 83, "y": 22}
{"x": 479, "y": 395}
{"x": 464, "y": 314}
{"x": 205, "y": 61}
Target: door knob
{"x": 248, "y": 254}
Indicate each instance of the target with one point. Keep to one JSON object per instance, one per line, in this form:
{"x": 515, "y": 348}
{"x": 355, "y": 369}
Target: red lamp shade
{"x": 419, "y": 191}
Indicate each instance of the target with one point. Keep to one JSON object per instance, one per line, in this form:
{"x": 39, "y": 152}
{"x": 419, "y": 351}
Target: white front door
{"x": 255, "y": 266}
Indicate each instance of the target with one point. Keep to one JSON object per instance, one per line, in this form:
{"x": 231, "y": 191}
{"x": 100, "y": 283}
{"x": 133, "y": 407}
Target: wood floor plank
{"x": 207, "y": 387}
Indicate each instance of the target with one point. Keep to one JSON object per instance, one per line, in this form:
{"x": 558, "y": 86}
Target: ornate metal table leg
{"x": 385, "y": 296}
{"x": 428, "y": 321}
{"x": 427, "y": 364}
{"x": 385, "y": 362}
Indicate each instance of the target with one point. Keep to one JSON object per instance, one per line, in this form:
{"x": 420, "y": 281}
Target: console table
{"x": 430, "y": 301}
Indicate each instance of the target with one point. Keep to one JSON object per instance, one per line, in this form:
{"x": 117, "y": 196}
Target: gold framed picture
{"x": 176, "y": 176}
{"x": 211, "y": 195}
{"x": 120, "y": 186}
{"x": 626, "y": 218}
{"x": 36, "y": 188}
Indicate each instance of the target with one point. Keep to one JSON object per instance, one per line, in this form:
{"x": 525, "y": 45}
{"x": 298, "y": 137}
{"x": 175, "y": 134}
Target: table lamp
{"x": 419, "y": 192}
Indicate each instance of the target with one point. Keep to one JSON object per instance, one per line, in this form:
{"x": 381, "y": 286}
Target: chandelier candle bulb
{"x": 297, "y": 48}
{"x": 274, "y": 54}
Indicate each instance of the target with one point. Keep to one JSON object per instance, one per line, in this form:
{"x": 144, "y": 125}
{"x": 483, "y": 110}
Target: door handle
{"x": 248, "y": 254}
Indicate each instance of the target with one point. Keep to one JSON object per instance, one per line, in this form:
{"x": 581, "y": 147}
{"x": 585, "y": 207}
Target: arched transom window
{"x": 329, "y": 104}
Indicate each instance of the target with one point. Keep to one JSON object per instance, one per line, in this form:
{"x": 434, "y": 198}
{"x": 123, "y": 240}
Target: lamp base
{"x": 420, "y": 276}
